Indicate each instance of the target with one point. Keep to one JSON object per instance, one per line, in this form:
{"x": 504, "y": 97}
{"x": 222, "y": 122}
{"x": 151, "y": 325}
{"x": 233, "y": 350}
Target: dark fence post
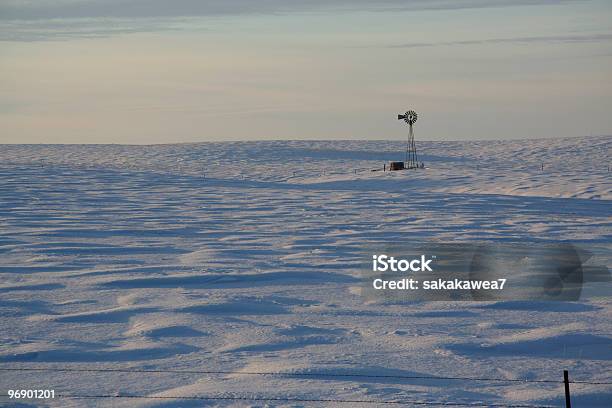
{"x": 568, "y": 402}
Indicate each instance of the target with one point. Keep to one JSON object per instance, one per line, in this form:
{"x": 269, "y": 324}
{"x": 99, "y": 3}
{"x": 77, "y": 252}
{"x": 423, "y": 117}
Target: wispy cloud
{"x": 49, "y": 9}
{"x": 39, "y": 20}
{"x": 66, "y": 29}
{"x": 513, "y": 40}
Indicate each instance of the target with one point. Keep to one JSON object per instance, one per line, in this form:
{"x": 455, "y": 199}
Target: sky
{"x": 156, "y": 71}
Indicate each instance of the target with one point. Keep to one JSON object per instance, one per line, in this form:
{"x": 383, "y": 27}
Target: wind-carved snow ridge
{"x": 572, "y": 167}
{"x": 246, "y": 257}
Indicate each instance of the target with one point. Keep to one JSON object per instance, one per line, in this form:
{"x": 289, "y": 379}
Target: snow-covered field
{"x": 245, "y": 258}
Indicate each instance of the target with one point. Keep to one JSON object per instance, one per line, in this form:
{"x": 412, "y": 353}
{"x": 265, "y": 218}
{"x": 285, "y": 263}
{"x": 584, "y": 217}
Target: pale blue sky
{"x": 142, "y": 71}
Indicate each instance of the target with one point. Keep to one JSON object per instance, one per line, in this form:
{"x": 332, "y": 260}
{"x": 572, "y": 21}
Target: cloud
{"x": 38, "y": 20}
{"x": 66, "y": 29}
{"x": 60, "y": 9}
{"x": 513, "y": 40}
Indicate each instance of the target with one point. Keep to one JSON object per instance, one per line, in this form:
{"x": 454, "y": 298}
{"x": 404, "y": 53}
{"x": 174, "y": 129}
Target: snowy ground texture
{"x": 245, "y": 257}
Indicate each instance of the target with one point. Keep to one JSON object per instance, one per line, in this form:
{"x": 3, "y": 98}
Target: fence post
{"x": 568, "y": 402}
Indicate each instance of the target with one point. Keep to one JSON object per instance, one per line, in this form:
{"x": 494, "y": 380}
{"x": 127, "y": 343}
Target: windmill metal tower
{"x": 412, "y": 160}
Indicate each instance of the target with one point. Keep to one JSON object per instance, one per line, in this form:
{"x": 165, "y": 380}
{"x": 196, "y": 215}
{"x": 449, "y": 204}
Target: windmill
{"x": 412, "y": 160}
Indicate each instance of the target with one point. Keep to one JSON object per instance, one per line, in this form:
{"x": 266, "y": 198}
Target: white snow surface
{"x": 245, "y": 257}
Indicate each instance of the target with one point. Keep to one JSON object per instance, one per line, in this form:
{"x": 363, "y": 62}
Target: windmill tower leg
{"x": 415, "y": 159}
{"x": 408, "y": 144}
{"x": 411, "y": 154}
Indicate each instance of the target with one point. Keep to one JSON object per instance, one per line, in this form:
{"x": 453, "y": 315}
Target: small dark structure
{"x": 396, "y": 166}
{"x": 412, "y": 161}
